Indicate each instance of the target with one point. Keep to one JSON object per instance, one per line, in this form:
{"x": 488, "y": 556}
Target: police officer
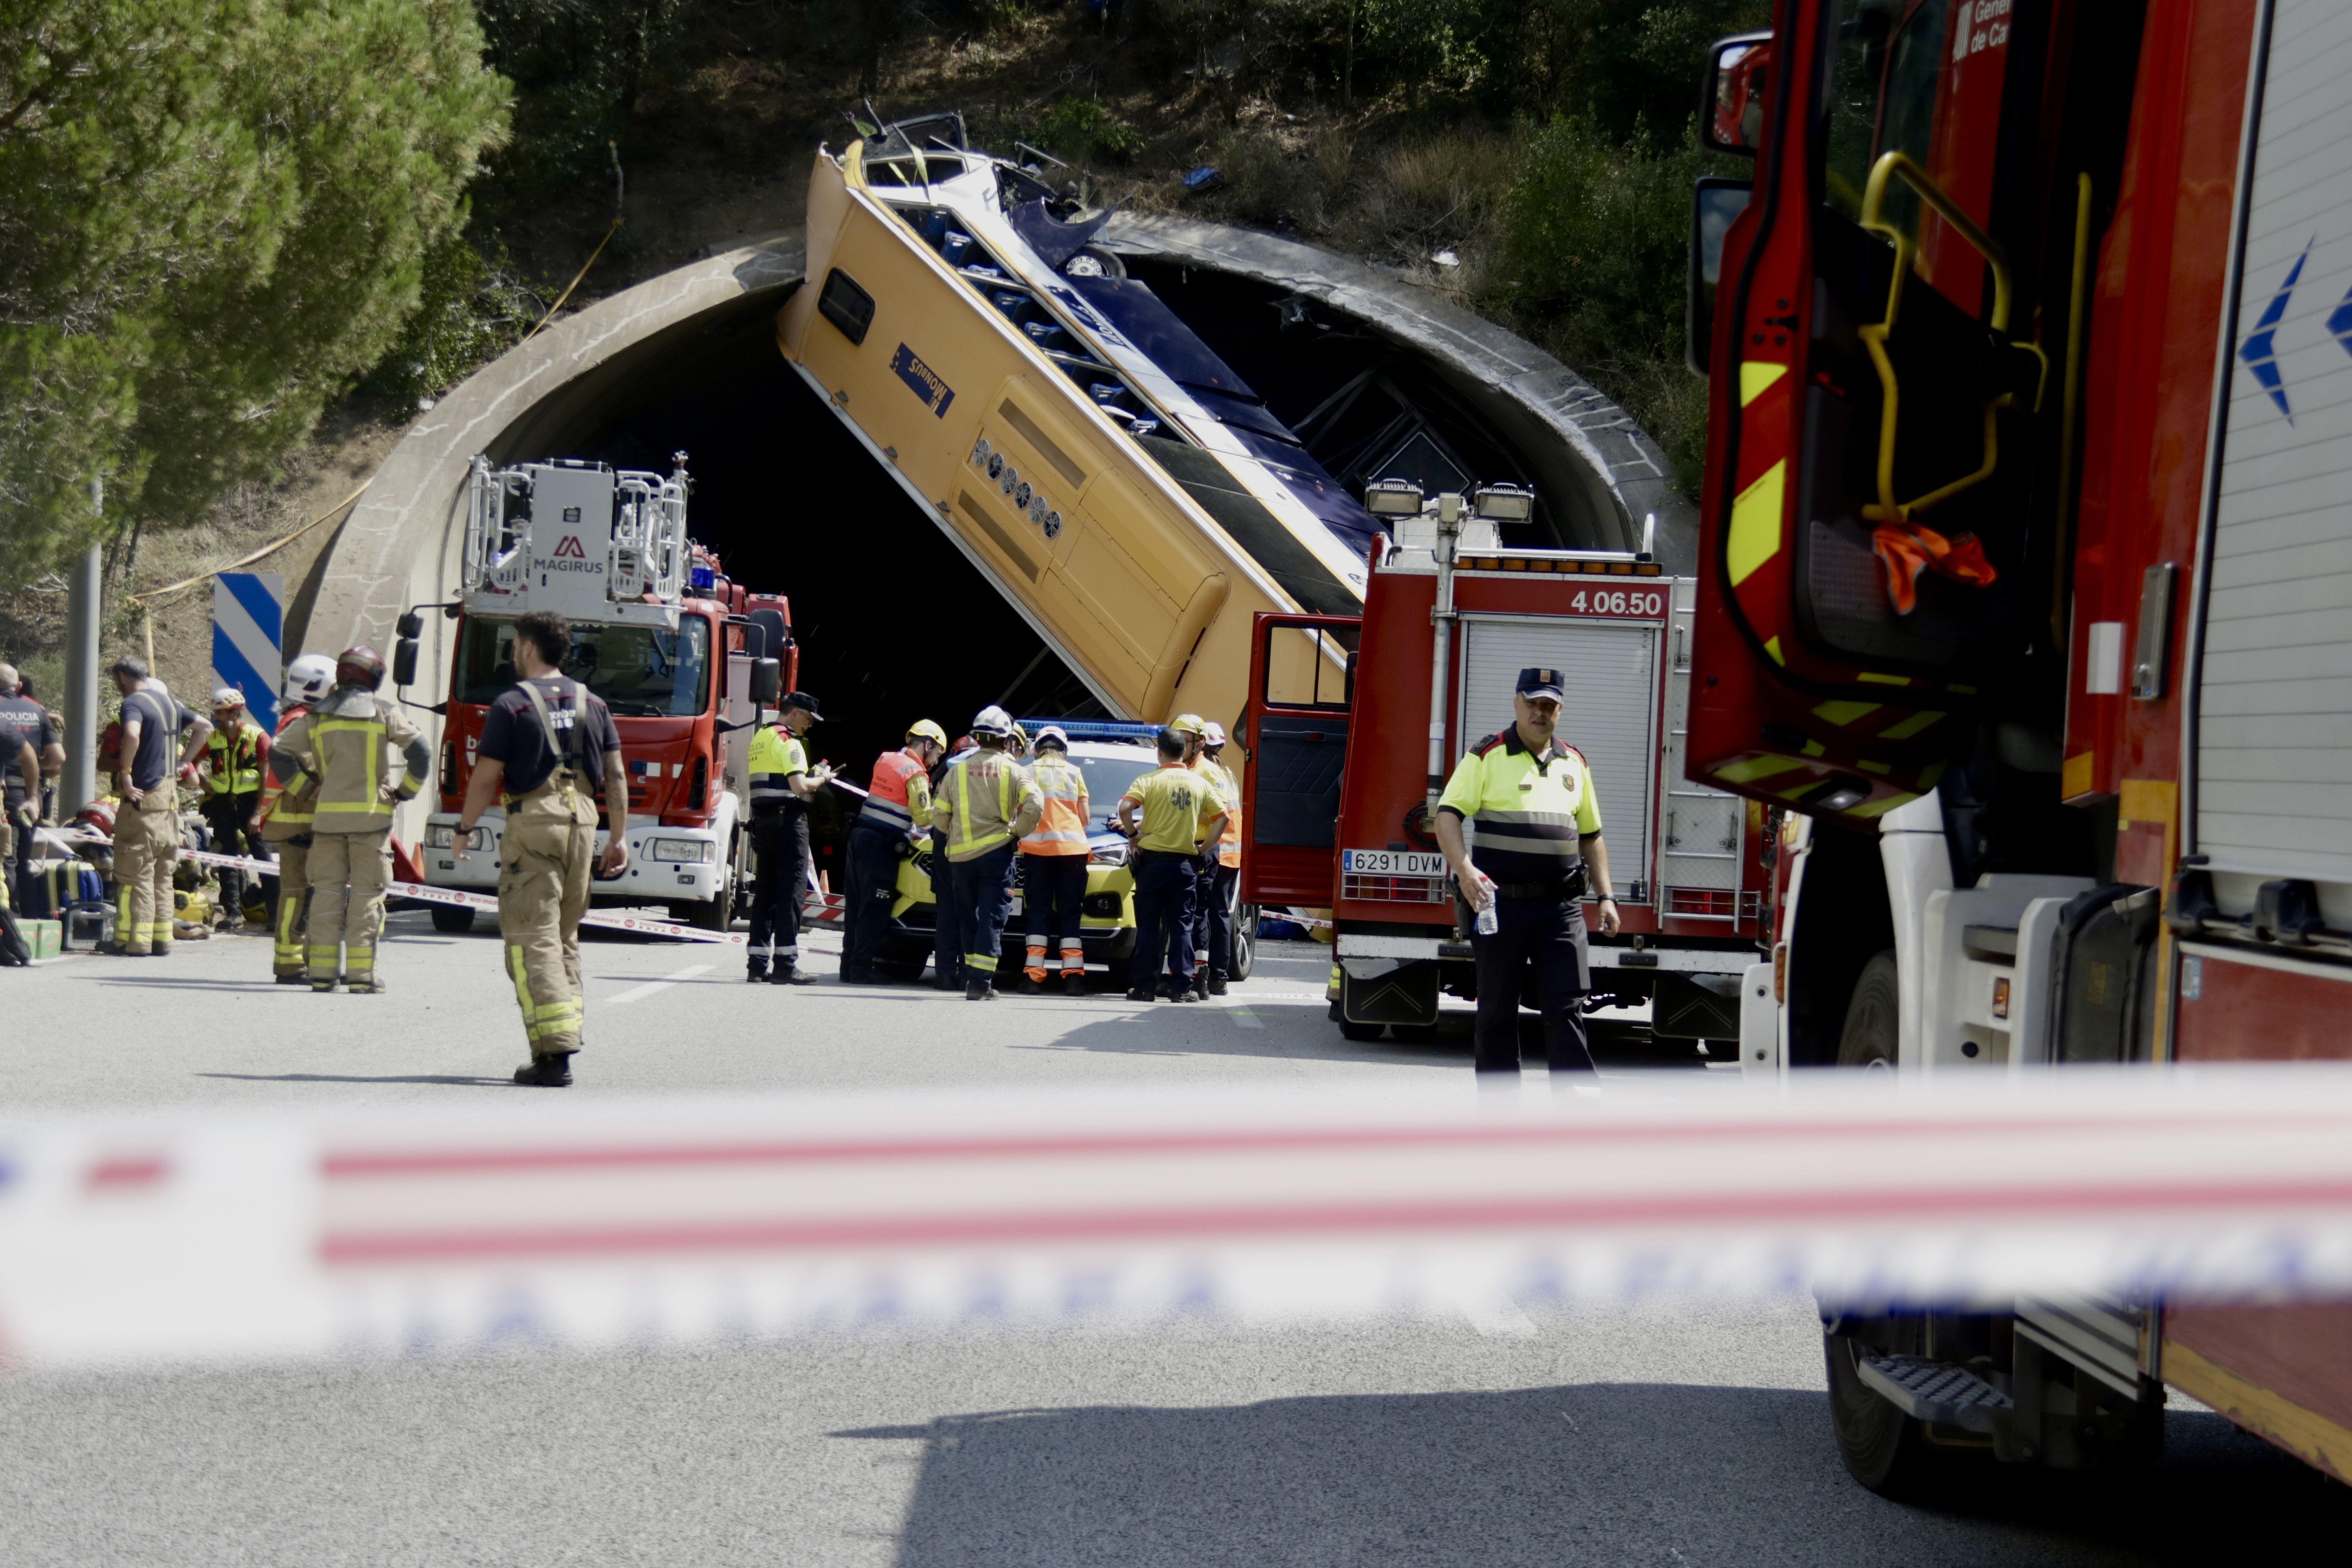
{"x": 1219, "y": 879}
{"x": 283, "y": 821}
{"x": 548, "y": 745}
{"x": 782, "y": 783}
{"x": 147, "y": 829}
{"x": 234, "y": 761}
{"x": 1531, "y": 798}
{"x": 985, "y": 805}
{"x": 898, "y": 797}
{"x": 340, "y": 749}
{"x": 1177, "y": 811}
{"x": 1054, "y": 864}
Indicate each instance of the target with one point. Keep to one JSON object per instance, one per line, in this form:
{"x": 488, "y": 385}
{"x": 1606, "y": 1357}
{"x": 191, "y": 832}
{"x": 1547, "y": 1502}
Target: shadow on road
{"x": 461, "y": 1080}
{"x": 1598, "y": 1473}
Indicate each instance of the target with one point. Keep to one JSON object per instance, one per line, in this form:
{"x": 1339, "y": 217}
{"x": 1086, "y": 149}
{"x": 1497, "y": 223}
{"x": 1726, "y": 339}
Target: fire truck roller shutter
{"x": 1611, "y": 713}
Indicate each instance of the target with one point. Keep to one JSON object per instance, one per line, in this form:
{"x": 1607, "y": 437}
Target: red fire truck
{"x": 1450, "y": 617}
{"x": 2025, "y": 579}
{"x": 683, "y": 657}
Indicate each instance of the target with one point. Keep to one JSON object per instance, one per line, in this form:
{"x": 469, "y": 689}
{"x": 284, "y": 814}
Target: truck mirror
{"x": 1731, "y": 119}
{"x": 767, "y": 682}
{"x": 1714, "y": 205}
{"x": 403, "y": 659}
{"x": 411, "y": 625}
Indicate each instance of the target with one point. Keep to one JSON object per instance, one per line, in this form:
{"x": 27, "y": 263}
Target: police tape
{"x": 423, "y": 892}
{"x": 641, "y": 1222}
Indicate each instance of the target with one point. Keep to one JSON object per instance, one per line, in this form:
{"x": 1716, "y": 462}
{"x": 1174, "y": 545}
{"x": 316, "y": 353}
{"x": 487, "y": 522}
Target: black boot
{"x": 546, "y": 1072}
{"x": 789, "y": 974}
{"x": 758, "y": 972}
{"x": 1143, "y": 994}
{"x": 1074, "y": 982}
{"x": 979, "y": 990}
{"x": 1216, "y": 986}
{"x": 946, "y": 982}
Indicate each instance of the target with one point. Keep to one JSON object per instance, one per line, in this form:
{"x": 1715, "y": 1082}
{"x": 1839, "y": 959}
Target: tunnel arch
{"x": 894, "y": 620}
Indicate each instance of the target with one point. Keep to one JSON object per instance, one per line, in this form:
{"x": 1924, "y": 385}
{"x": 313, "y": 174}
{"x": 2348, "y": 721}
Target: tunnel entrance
{"x": 893, "y": 621}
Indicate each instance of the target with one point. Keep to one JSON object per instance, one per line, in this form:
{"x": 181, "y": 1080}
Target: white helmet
{"x": 991, "y": 720}
{"x": 1213, "y": 734}
{"x": 308, "y": 678}
{"x": 227, "y": 697}
{"x": 1052, "y": 732}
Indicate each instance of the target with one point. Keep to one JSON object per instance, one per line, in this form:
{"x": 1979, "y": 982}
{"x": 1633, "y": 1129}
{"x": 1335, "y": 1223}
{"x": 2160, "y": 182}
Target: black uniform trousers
{"x": 984, "y": 903}
{"x": 780, "y": 839}
{"x": 1213, "y": 919}
{"x": 1052, "y": 886}
{"x": 947, "y": 942}
{"x": 1166, "y": 884}
{"x": 874, "y": 854}
{"x": 226, "y": 815}
{"x": 1547, "y": 934}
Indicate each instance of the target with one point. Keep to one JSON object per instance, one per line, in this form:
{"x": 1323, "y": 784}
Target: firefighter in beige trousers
{"x": 341, "y": 749}
{"x": 147, "y": 829}
{"x": 548, "y": 744}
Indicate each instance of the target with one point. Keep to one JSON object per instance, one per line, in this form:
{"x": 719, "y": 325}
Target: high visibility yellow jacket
{"x": 234, "y": 760}
{"x": 1229, "y": 797}
{"x": 776, "y": 756}
{"x": 1063, "y": 807}
{"x": 986, "y": 800}
{"x": 345, "y": 744}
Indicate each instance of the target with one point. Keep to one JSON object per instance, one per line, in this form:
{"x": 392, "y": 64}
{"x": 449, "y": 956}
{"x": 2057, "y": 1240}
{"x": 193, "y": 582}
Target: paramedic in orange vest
{"x": 886, "y": 832}
{"x": 1054, "y": 864}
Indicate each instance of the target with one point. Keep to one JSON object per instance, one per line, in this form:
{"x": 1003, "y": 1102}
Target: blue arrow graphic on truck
{"x": 2261, "y": 357}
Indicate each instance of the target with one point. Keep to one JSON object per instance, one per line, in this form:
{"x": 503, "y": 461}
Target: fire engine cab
{"x": 682, "y": 656}
{"x": 1354, "y": 722}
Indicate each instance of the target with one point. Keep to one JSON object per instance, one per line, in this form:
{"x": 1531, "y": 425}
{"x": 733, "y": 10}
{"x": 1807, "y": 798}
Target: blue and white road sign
{"x": 248, "y": 613}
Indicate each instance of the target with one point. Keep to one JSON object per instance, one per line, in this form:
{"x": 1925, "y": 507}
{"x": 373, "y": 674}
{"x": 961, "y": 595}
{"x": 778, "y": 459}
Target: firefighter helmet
{"x": 924, "y": 729}
{"x": 1188, "y": 724}
{"x": 308, "y": 678}
{"x": 993, "y": 722}
{"x": 1051, "y": 735}
{"x": 1213, "y": 734}
{"x": 359, "y": 666}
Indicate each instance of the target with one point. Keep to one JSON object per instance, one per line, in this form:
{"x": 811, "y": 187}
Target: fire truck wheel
{"x": 1245, "y": 942}
{"x": 1883, "y": 1448}
{"x": 1361, "y": 1031}
{"x": 455, "y": 921}
{"x": 1870, "y": 1039}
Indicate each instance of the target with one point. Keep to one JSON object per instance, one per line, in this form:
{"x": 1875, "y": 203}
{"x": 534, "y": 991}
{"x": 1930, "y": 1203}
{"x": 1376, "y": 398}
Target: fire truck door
{"x": 2272, "y": 708}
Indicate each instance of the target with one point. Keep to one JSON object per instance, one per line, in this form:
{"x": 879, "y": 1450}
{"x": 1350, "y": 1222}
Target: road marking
{"x": 639, "y": 992}
{"x": 1243, "y": 1017}
{"x": 1495, "y": 1315}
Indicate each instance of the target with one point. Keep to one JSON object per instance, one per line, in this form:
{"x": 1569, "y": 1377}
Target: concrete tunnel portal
{"x": 893, "y": 620}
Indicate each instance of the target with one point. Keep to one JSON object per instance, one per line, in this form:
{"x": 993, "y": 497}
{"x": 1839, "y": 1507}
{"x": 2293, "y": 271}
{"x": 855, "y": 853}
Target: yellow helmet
{"x": 924, "y": 729}
{"x": 1188, "y": 724}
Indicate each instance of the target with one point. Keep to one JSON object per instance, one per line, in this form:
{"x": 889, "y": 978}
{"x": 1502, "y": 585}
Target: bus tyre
{"x": 451, "y": 918}
{"x": 1872, "y": 1036}
{"x": 1883, "y": 1448}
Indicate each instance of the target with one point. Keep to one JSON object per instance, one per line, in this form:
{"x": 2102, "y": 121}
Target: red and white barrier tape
{"x": 296, "y": 1233}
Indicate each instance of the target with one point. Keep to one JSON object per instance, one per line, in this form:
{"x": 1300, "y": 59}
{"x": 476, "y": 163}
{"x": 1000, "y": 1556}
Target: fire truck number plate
{"x": 1392, "y": 863}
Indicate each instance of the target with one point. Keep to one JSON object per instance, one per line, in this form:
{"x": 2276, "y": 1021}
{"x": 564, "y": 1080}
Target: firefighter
{"x": 1220, "y": 878}
{"x": 1179, "y": 812}
{"x": 885, "y": 833}
{"x": 986, "y": 804}
{"x": 1531, "y": 798}
{"x": 235, "y": 758}
{"x": 947, "y": 942}
{"x": 782, "y": 783}
{"x": 548, "y": 745}
{"x": 340, "y": 749}
{"x": 1054, "y": 864}
{"x": 283, "y": 822}
{"x": 147, "y": 829}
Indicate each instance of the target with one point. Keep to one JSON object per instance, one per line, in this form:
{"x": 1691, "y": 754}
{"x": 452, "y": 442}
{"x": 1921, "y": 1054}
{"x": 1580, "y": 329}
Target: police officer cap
{"x": 799, "y": 700}
{"x": 1542, "y": 683}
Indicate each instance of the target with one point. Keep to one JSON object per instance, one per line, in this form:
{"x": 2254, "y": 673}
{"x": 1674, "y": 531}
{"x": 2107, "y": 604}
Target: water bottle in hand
{"x": 1488, "y": 921}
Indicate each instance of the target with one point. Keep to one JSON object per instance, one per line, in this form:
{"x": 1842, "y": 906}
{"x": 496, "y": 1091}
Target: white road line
{"x": 639, "y": 992}
{"x": 1243, "y": 1017}
{"x": 1496, "y": 1316}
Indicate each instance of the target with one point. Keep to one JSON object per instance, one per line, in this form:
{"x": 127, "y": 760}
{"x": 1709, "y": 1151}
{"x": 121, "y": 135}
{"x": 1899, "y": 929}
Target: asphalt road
{"x": 1657, "y": 1436}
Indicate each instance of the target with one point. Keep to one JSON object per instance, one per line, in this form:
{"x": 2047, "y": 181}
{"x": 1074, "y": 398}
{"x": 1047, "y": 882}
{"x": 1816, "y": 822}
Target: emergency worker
{"x": 340, "y": 749}
{"x": 986, "y": 805}
{"x": 1195, "y": 731}
{"x": 1220, "y": 876}
{"x": 548, "y": 745}
{"x": 782, "y": 783}
{"x": 898, "y": 797}
{"x": 30, "y": 751}
{"x": 1178, "y": 811}
{"x": 235, "y": 758}
{"x": 283, "y": 821}
{"x": 147, "y": 829}
{"x": 947, "y": 937}
{"x": 1054, "y": 864}
{"x": 1529, "y": 797}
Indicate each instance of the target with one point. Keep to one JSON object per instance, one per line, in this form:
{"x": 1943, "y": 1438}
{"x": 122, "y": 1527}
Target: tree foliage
{"x": 214, "y": 215}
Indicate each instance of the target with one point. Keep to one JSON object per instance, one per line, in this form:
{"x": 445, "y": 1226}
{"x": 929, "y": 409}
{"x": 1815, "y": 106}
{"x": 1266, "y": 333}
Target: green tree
{"x": 213, "y": 217}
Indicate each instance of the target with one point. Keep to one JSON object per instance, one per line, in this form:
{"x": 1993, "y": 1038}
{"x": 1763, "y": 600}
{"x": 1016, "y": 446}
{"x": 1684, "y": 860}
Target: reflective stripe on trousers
{"x": 293, "y": 907}
{"x": 544, "y": 875}
{"x": 348, "y": 873}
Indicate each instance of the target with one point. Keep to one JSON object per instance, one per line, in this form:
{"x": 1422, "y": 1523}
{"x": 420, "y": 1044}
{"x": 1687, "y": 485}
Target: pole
{"x": 1441, "y": 616}
{"x": 79, "y": 785}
